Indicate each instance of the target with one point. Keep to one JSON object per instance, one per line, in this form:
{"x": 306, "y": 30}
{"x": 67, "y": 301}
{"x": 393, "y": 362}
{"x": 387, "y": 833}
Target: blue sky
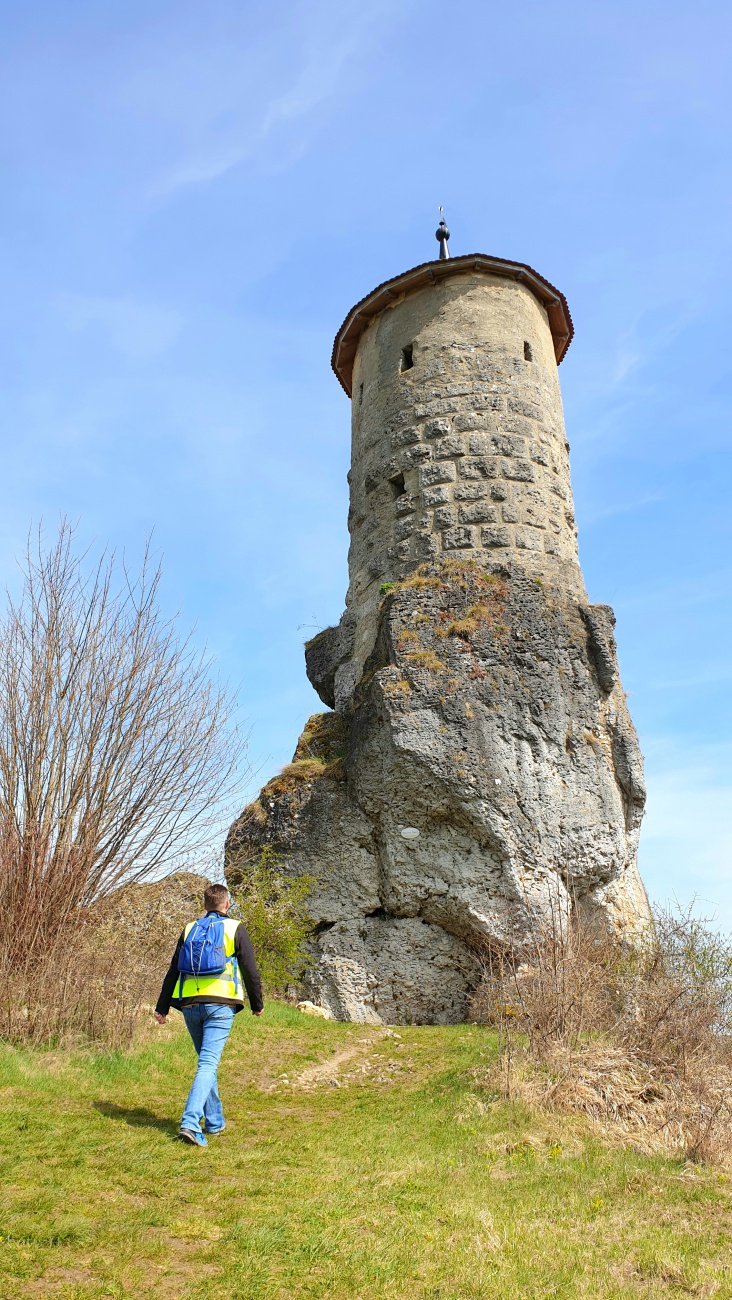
{"x": 195, "y": 195}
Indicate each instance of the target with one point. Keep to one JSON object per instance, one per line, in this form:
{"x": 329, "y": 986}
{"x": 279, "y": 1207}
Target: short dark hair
{"x": 214, "y": 896}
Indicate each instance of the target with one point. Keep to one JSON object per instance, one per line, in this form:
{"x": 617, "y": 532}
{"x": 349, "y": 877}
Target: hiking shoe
{"x": 194, "y": 1139}
{"x": 214, "y": 1132}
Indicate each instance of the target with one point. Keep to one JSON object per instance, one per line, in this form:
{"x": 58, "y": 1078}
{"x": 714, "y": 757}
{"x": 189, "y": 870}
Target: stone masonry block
{"x": 441, "y": 406}
{"x": 397, "y": 421}
{"x": 519, "y": 406}
{"x": 436, "y": 496}
{"x": 478, "y": 467}
{"x": 517, "y": 424}
{"x": 415, "y": 455}
{"x": 445, "y": 517}
{"x": 483, "y": 402}
{"x": 470, "y": 491}
{"x": 403, "y": 528}
{"x": 499, "y": 492}
{"x": 436, "y": 428}
{"x": 490, "y": 401}
{"x": 506, "y": 445}
{"x": 478, "y": 444}
{"x": 450, "y": 446}
{"x": 521, "y": 470}
{"x": 405, "y": 504}
{"x": 495, "y": 537}
{"x": 527, "y": 539}
{"x": 534, "y": 516}
{"x": 539, "y": 453}
{"x": 403, "y": 437}
{"x": 470, "y": 420}
{"x": 429, "y": 475}
{"x": 480, "y": 512}
{"x": 427, "y": 546}
{"x": 457, "y": 539}
{"x": 509, "y": 515}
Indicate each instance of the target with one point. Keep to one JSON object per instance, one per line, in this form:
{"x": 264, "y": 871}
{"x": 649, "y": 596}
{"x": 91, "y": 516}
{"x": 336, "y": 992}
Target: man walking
{"x": 210, "y": 956}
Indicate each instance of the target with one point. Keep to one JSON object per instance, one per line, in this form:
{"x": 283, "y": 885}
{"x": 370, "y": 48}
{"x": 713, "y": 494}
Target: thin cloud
{"x": 227, "y": 139}
{"x": 622, "y": 508}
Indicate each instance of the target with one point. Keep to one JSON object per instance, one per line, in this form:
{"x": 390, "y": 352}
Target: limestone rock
{"x": 308, "y": 1008}
{"x": 325, "y": 654}
{"x": 483, "y": 722}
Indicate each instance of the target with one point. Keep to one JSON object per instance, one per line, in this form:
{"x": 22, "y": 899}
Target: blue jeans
{"x": 209, "y": 1025}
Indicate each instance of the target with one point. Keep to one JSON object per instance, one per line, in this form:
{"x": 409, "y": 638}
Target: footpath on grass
{"x": 357, "y": 1162}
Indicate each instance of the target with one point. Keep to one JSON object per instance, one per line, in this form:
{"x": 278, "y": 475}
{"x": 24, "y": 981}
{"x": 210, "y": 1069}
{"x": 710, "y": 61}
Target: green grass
{"x": 406, "y": 1181}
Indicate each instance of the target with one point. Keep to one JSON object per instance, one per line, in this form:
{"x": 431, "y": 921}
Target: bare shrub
{"x": 116, "y": 751}
{"x": 639, "y": 1040}
{"x": 122, "y": 947}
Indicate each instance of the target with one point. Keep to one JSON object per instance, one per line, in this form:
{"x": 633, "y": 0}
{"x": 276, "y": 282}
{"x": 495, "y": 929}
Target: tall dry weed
{"x": 637, "y": 1039}
{"x": 100, "y": 979}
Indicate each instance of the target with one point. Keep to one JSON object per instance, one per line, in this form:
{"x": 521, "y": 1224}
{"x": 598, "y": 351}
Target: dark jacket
{"x": 247, "y": 966}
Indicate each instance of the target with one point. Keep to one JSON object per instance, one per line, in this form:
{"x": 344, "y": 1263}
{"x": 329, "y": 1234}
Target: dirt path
{"x": 325, "y": 1071}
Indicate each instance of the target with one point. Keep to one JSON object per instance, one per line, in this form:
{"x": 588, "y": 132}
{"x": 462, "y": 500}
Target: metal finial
{"x": 443, "y": 234}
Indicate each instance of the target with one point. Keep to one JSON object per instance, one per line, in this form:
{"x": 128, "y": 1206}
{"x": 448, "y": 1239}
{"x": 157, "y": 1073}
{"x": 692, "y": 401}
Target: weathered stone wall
{"x": 462, "y": 454}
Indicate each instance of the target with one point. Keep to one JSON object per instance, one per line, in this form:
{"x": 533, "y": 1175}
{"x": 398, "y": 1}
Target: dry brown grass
{"x": 406, "y": 638}
{"x": 426, "y": 659}
{"x": 300, "y": 771}
{"x": 102, "y": 986}
{"x": 419, "y": 582}
{"x": 395, "y": 687}
{"x": 484, "y": 614}
{"x": 639, "y": 1041}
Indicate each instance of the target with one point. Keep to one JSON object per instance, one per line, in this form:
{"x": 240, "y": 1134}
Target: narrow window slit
{"x": 407, "y": 357}
{"x": 360, "y": 394}
{"x": 398, "y": 486}
{"x": 527, "y": 352}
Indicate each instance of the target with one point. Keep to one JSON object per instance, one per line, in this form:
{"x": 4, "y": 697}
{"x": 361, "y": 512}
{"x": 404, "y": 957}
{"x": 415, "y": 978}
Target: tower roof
{"x": 348, "y": 336}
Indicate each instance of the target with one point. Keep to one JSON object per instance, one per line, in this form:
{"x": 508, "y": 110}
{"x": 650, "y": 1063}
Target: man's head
{"x": 216, "y": 898}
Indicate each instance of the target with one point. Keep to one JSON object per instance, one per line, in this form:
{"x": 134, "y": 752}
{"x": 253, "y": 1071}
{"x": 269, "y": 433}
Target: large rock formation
{"x": 479, "y": 772}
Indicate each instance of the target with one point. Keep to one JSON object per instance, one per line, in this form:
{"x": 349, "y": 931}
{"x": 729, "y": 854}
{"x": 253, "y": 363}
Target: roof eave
{"x": 360, "y": 316}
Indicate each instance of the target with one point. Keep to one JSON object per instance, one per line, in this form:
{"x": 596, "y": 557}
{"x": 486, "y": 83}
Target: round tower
{"x": 477, "y": 774}
{"x": 458, "y": 440}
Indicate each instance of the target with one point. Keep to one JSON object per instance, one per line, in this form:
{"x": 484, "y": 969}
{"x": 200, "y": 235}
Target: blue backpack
{"x": 203, "y": 955}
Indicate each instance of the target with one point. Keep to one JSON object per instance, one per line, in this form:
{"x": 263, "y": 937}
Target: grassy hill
{"x": 357, "y": 1163}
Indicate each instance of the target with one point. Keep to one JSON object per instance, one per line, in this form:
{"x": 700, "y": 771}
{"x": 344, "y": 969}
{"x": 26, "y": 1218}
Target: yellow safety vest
{"x": 226, "y": 985}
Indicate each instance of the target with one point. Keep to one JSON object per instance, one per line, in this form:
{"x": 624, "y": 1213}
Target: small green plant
{"x": 273, "y": 907}
{"x": 385, "y": 587}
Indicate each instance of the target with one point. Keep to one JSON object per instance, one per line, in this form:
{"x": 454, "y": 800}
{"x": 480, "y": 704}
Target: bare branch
{"x": 117, "y": 749}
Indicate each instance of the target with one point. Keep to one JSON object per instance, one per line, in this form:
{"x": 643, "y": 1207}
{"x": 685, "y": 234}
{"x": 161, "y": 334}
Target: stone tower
{"x": 478, "y": 768}
{"x": 458, "y": 442}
